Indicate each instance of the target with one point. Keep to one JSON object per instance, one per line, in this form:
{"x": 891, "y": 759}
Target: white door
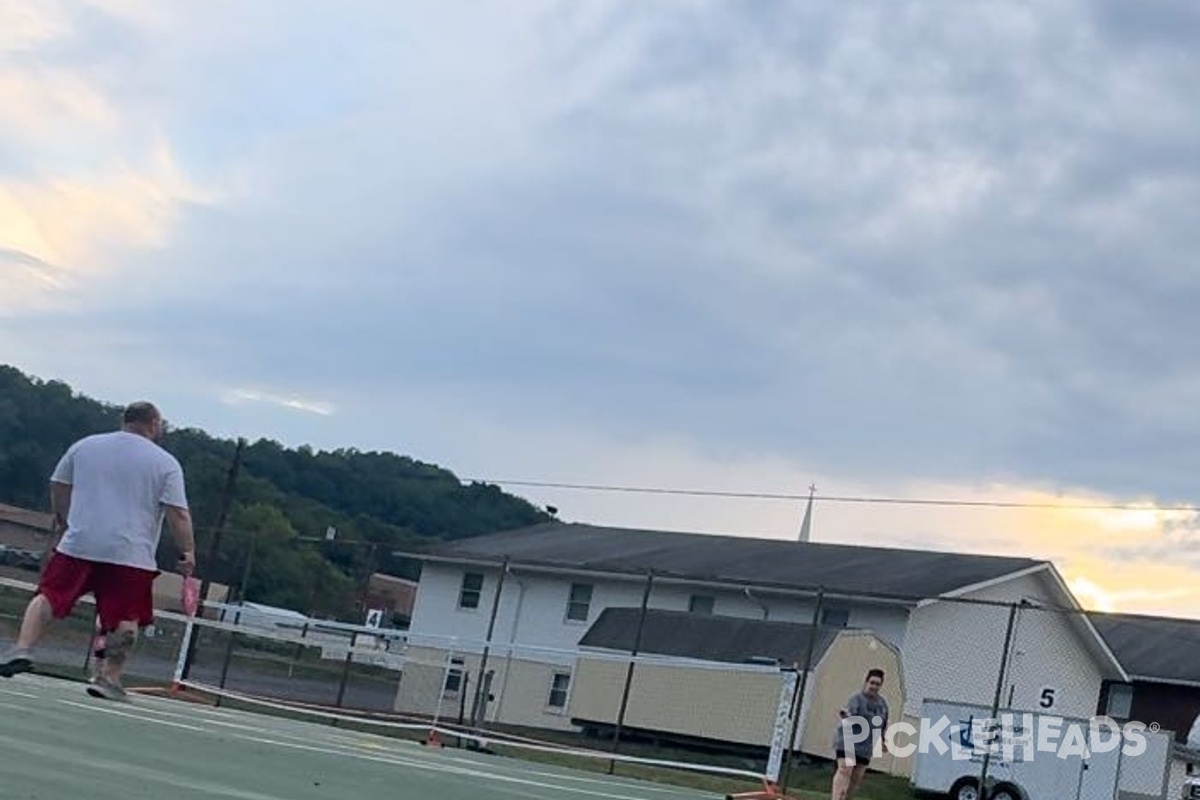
{"x": 1101, "y": 772}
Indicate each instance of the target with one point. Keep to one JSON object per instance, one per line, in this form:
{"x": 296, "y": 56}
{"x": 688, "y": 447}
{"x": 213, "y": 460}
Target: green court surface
{"x": 60, "y": 744}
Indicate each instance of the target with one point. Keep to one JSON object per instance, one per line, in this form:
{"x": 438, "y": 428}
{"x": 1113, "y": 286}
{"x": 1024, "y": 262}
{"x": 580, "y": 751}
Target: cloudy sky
{"x": 907, "y": 250}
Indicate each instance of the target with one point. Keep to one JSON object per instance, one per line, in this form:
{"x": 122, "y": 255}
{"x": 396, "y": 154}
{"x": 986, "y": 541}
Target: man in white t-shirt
{"x": 110, "y": 493}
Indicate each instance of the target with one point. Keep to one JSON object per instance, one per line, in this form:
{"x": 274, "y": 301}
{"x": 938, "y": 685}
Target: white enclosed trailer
{"x": 1035, "y": 756}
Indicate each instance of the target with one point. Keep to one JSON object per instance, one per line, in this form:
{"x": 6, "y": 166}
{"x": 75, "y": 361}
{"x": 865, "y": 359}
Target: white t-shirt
{"x": 120, "y": 482}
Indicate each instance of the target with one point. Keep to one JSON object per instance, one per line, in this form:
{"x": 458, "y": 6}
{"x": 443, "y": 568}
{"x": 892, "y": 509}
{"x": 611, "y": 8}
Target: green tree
{"x": 378, "y": 502}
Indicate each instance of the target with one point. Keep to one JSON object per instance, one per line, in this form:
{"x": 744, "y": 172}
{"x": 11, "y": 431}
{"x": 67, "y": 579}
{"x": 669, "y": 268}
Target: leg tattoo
{"x": 118, "y": 646}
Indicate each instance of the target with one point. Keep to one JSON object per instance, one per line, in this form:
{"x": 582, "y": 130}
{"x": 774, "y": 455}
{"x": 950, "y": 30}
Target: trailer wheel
{"x": 965, "y": 789}
{"x": 1006, "y": 791}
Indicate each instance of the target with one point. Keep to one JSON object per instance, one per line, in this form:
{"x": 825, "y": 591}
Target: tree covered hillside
{"x": 377, "y": 502}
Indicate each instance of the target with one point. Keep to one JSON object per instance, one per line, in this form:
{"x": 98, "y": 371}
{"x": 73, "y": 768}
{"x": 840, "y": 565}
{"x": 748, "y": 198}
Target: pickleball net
{"x": 674, "y": 716}
{"x": 540, "y": 703}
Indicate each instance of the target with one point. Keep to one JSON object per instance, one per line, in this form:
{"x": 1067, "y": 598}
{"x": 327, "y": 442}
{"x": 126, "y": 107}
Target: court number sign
{"x": 1048, "y": 697}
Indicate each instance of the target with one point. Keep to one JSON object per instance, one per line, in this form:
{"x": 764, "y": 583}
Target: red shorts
{"x": 123, "y": 594}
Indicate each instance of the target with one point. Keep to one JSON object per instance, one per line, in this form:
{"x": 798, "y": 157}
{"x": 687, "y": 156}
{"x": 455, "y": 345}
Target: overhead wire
{"x": 865, "y": 500}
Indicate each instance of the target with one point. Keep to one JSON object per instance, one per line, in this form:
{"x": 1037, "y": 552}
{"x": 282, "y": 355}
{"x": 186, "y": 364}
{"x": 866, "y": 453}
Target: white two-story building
{"x": 540, "y": 589}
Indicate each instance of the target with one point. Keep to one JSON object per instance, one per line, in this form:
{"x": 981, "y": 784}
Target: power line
{"x": 866, "y": 500}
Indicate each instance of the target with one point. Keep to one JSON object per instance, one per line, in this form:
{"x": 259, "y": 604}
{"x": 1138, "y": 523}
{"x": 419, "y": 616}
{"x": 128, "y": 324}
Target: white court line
{"x": 432, "y": 767}
{"x": 16, "y": 693}
{"x": 197, "y": 719}
{"x": 139, "y": 717}
{"x": 280, "y": 723}
{"x": 631, "y": 783}
{"x": 350, "y": 748}
{"x": 362, "y": 740}
{"x": 166, "y": 699}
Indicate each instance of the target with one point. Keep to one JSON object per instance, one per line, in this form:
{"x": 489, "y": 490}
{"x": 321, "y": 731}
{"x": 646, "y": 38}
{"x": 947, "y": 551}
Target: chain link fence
{"x": 1000, "y": 688}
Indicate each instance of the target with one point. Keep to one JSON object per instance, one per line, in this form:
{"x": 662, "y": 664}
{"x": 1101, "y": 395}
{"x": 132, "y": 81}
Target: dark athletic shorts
{"x": 123, "y": 594}
{"x": 860, "y": 761}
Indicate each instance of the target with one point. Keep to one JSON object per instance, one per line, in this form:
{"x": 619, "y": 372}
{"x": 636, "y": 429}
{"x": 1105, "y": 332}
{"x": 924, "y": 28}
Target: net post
{"x": 783, "y": 720}
{"x": 432, "y": 739}
{"x": 185, "y": 652}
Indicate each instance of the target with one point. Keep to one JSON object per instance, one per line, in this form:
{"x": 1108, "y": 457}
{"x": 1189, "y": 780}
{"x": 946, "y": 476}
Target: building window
{"x": 454, "y": 676}
{"x": 1120, "y": 700}
{"x": 835, "y": 617}
{"x": 472, "y": 589}
{"x": 701, "y": 604}
{"x": 560, "y": 685}
{"x": 580, "y": 602}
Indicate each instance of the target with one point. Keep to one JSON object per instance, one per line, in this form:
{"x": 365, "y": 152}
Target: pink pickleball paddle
{"x": 190, "y": 595}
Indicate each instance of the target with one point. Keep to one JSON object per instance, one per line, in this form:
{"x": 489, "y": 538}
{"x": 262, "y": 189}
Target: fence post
{"x": 346, "y": 672}
{"x": 213, "y": 548}
{"x": 237, "y": 619}
{"x": 482, "y": 685}
{"x": 637, "y": 645}
{"x": 984, "y": 792}
{"x": 798, "y": 703}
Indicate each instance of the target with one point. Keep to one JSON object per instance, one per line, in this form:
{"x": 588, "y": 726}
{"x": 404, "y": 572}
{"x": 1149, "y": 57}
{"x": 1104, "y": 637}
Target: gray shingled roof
{"x": 1160, "y": 648}
{"x": 847, "y": 568}
{"x": 706, "y": 636}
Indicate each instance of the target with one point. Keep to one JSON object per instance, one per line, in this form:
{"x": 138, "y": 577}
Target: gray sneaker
{"x": 107, "y": 690}
{"x": 14, "y": 662}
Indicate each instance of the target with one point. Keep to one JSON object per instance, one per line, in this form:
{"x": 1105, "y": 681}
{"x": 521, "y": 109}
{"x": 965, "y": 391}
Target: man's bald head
{"x": 143, "y": 418}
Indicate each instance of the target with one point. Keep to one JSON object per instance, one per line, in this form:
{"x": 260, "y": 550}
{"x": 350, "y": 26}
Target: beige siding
{"x": 725, "y": 705}
{"x": 840, "y": 674}
{"x": 421, "y": 681}
{"x": 735, "y": 705}
{"x": 520, "y": 689}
